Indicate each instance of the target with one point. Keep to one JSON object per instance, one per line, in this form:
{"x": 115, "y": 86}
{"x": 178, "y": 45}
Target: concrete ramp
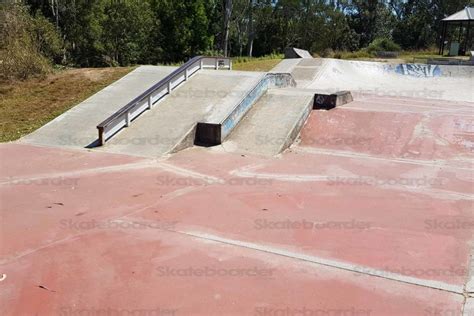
{"x": 76, "y": 128}
{"x": 272, "y": 124}
{"x": 218, "y": 126}
{"x": 453, "y": 83}
{"x": 292, "y": 52}
{"x": 171, "y": 124}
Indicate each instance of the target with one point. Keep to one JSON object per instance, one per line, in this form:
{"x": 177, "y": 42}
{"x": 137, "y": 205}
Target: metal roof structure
{"x": 467, "y": 14}
{"x": 461, "y": 19}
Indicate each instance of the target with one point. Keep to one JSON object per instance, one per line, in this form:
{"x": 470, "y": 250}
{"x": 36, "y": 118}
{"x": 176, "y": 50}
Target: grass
{"x": 28, "y": 105}
{"x": 264, "y": 63}
{"x": 403, "y": 57}
{"x": 424, "y": 55}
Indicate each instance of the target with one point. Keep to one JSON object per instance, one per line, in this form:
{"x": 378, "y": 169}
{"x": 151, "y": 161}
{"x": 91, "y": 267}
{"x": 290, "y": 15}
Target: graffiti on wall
{"x": 416, "y": 70}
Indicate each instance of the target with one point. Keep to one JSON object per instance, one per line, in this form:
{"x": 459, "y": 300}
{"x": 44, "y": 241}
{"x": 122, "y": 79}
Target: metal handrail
{"x": 123, "y": 117}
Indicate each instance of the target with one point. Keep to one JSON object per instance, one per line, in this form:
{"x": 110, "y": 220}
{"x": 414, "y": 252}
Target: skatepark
{"x": 199, "y": 189}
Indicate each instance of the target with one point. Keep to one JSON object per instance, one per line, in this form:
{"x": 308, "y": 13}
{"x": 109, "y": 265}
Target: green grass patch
{"x": 264, "y": 63}
{"x": 28, "y": 105}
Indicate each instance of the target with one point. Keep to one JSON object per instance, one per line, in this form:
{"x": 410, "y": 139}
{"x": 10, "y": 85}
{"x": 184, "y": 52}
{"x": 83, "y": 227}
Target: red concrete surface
{"x": 386, "y": 185}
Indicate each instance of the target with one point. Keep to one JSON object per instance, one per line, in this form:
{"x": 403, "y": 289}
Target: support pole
{"x": 466, "y": 45}
{"x": 444, "y": 36}
{"x": 460, "y": 33}
{"x": 441, "y": 43}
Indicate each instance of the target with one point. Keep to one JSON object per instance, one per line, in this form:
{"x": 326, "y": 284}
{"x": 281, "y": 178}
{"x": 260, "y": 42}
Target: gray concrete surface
{"x": 170, "y": 125}
{"x": 77, "y": 128}
{"x": 272, "y": 124}
{"x": 453, "y": 83}
{"x": 303, "y": 70}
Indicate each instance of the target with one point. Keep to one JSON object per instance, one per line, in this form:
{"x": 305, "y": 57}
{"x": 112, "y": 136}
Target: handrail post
{"x": 149, "y": 102}
{"x": 101, "y": 136}
{"x": 127, "y": 119}
{"x": 230, "y": 64}
{"x": 201, "y": 64}
{"x": 186, "y": 74}
{"x": 217, "y": 64}
{"x": 169, "y": 87}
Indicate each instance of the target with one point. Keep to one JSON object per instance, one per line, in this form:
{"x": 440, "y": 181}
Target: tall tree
{"x": 251, "y": 31}
{"x": 227, "y": 16}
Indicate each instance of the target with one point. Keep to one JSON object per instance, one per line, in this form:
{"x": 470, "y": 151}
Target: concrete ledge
{"x": 330, "y": 101}
{"x": 296, "y": 129}
{"x": 214, "y": 132}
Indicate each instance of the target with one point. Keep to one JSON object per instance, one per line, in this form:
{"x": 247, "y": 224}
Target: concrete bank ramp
{"x": 453, "y": 83}
{"x": 272, "y": 124}
{"x": 77, "y": 128}
{"x": 303, "y": 70}
{"x": 171, "y": 124}
{"x": 291, "y": 52}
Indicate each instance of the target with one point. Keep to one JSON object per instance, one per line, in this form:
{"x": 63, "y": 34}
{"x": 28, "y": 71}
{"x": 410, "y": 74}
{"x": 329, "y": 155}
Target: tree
{"x": 28, "y": 44}
{"x": 250, "y": 29}
{"x": 126, "y": 29}
{"x": 184, "y": 28}
{"x": 227, "y": 15}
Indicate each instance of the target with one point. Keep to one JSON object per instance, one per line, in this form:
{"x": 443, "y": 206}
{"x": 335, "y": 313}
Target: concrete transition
{"x": 436, "y": 82}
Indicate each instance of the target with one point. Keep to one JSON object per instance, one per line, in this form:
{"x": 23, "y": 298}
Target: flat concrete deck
{"x": 77, "y": 128}
{"x": 370, "y": 214}
{"x": 170, "y": 123}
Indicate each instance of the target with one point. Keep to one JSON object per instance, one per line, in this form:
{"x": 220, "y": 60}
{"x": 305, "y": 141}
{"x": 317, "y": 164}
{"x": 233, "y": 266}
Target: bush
{"x": 47, "y": 38}
{"x": 363, "y": 53}
{"x": 27, "y": 44}
{"x": 246, "y": 59}
{"x": 383, "y": 45}
{"x": 326, "y": 53}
